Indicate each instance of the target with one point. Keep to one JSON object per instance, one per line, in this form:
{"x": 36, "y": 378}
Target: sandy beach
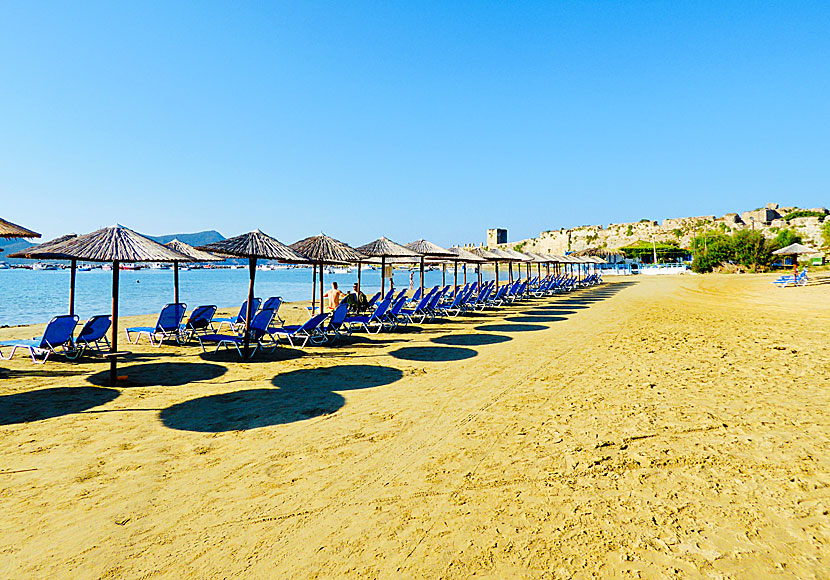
{"x": 653, "y": 427}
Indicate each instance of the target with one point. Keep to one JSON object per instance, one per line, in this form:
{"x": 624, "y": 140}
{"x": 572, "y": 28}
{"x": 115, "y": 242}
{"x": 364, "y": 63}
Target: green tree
{"x": 751, "y": 249}
{"x": 785, "y": 238}
{"x": 825, "y": 232}
{"x": 711, "y": 249}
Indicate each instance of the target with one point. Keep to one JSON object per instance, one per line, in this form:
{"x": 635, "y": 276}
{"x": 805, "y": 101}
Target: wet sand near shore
{"x": 664, "y": 427}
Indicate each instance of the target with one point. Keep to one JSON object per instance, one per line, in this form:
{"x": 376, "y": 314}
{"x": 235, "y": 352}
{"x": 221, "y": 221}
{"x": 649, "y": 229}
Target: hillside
{"x": 195, "y": 239}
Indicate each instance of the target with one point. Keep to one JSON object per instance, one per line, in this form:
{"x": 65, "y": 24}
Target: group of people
{"x": 356, "y": 299}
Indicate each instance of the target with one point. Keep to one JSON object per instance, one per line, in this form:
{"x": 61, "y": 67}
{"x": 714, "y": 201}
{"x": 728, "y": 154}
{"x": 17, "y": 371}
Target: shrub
{"x": 803, "y": 213}
{"x": 785, "y": 238}
{"x": 751, "y": 249}
{"x": 629, "y": 231}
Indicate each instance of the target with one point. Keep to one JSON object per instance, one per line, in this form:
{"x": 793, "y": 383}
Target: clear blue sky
{"x": 421, "y": 119}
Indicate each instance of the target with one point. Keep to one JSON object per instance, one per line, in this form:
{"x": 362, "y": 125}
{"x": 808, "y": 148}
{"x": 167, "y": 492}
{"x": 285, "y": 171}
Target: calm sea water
{"x": 34, "y": 296}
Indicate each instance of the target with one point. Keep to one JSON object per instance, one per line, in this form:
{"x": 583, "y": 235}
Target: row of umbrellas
{"x": 119, "y": 244}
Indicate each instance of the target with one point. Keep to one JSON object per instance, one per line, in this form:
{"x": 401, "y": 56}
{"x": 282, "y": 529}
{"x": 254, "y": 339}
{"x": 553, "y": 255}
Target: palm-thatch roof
{"x": 10, "y": 230}
{"x": 537, "y": 258}
{"x": 255, "y": 245}
{"x": 45, "y": 250}
{"x": 795, "y": 249}
{"x": 463, "y": 255}
{"x": 384, "y": 247}
{"x": 427, "y": 248}
{"x": 504, "y": 256}
{"x": 326, "y": 250}
{"x": 486, "y": 254}
{"x": 192, "y": 253}
{"x": 519, "y": 255}
{"x": 115, "y": 243}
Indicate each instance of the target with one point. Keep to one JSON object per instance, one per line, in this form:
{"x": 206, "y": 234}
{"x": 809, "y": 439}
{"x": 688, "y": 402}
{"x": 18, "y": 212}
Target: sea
{"x": 35, "y": 296}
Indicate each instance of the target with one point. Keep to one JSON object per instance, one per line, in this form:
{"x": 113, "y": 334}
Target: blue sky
{"x": 409, "y": 120}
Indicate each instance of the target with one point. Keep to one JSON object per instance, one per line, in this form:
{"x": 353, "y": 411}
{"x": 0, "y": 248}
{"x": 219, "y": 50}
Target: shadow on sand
{"x": 53, "y": 402}
{"x": 535, "y": 318}
{"x": 511, "y": 327}
{"x": 470, "y": 339}
{"x": 163, "y": 374}
{"x": 302, "y": 394}
{"x": 433, "y": 353}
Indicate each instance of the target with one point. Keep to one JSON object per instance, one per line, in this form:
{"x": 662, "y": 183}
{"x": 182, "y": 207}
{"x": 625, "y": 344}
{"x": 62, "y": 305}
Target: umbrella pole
{"x": 358, "y": 276}
{"x": 455, "y": 279}
{"x": 72, "y": 266}
{"x": 249, "y": 313}
{"x": 114, "y": 341}
{"x": 510, "y": 269}
{"x": 422, "y": 275}
{"x": 176, "y": 282}
{"x": 464, "y": 269}
{"x": 444, "y": 275}
{"x": 321, "y": 288}
{"x": 497, "y": 275}
{"x": 313, "y": 288}
{"x": 382, "y": 277}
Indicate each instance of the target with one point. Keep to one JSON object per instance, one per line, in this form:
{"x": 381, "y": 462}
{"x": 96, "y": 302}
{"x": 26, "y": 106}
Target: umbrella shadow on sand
{"x": 470, "y": 339}
{"x": 163, "y": 374}
{"x": 535, "y": 318}
{"x": 433, "y": 353}
{"x": 513, "y": 327}
{"x": 42, "y": 404}
{"x": 302, "y": 394}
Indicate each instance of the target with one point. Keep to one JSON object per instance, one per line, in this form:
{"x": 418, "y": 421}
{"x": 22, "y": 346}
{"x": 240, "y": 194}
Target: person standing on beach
{"x": 411, "y": 280}
{"x": 334, "y": 295}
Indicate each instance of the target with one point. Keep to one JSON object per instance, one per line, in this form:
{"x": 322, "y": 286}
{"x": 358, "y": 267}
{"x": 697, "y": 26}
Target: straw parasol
{"x": 254, "y": 245}
{"x": 428, "y": 249}
{"x": 384, "y": 248}
{"x": 322, "y": 250}
{"x": 115, "y": 244}
{"x": 521, "y": 258}
{"x": 45, "y": 251}
{"x": 10, "y": 230}
{"x": 465, "y": 257}
{"x": 795, "y": 250}
{"x": 193, "y": 255}
{"x": 489, "y": 256}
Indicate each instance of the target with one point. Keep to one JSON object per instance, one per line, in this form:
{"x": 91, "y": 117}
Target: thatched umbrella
{"x": 463, "y": 256}
{"x": 504, "y": 256}
{"x": 795, "y": 250}
{"x": 428, "y": 249}
{"x": 254, "y": 245}
{"x": 386, "y": 249}
{"x": 114, "y": 244}
{"x": 520, "y": 257}
{"x": 193, "y": 255}
{"x": 10, "y": 230}
{"x": 487, "y": 256}
{"x": 324, "y": 250}
{"x": 45, "y": 251}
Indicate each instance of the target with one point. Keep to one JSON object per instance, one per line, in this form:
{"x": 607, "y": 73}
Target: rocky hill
{"x": 769, "y": 220}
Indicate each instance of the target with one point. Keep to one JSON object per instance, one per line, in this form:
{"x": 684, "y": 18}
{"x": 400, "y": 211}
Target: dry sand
{"x": 653, "y": 427}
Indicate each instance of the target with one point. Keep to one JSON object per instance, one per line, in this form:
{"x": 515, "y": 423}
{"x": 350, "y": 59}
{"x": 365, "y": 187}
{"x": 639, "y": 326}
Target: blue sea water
{"x": 35, "y": 296}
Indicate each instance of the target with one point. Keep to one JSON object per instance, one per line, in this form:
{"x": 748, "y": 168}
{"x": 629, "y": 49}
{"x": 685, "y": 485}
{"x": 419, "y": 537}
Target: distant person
{"x": 411, "y": 280}
{"x": 334, "y": 295}
{"x": 356, "y": 299}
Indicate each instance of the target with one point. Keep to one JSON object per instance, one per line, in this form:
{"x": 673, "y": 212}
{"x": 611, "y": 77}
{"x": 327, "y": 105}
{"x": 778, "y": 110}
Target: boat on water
{"x": 331, "y": 270}
{"x": 42, "y": 266}
{"x": 4, "y": 266}
{"x": 84, "y": 269}
{"x": 130, "y": 267}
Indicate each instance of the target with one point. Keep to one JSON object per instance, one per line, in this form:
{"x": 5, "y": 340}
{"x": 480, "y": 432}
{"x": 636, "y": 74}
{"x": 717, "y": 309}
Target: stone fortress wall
{"x": 768, "y": 220}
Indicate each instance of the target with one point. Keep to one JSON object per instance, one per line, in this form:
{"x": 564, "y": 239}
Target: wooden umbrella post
{"x": 321, "y": 288}
{"x": 510, "y": 270}
{"x": 313, "y": 288}
{"x": 358, "y": 276}
{"x": 382, "y": 277}
{"x": 443, "y": 275}
{"x": 72, "y": 267}
{"x": 250, "y": 311}
{"x": 497, "y": 274}
{"x": 422, "y": 275}
{"x": 114, "y": 329}
{"x": 464, "y": 269}
{"x": 455, "y": 279}
{"x": 176, "y": 281}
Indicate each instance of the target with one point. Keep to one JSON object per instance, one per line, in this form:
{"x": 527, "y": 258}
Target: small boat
{"x": 4, "y": 266}
{"x": 331, "y": 270}
{"x": 84, "y": 269}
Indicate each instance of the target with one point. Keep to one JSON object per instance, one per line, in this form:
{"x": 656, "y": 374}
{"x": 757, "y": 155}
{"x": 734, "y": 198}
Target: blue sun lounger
{"x": 304, "y": 332}
{"x": 274, "y": 304}
{"x": 260, "y": 338}
{"x": 94, "y": 331}
{"x": 200, "y": 320}
{"x": 331, "y": 331}
{"x": 376, "y": 318}
{"x": 239, "y": 321}
{"x": 58, "y": 335}
{"x": 168, "y": 325}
